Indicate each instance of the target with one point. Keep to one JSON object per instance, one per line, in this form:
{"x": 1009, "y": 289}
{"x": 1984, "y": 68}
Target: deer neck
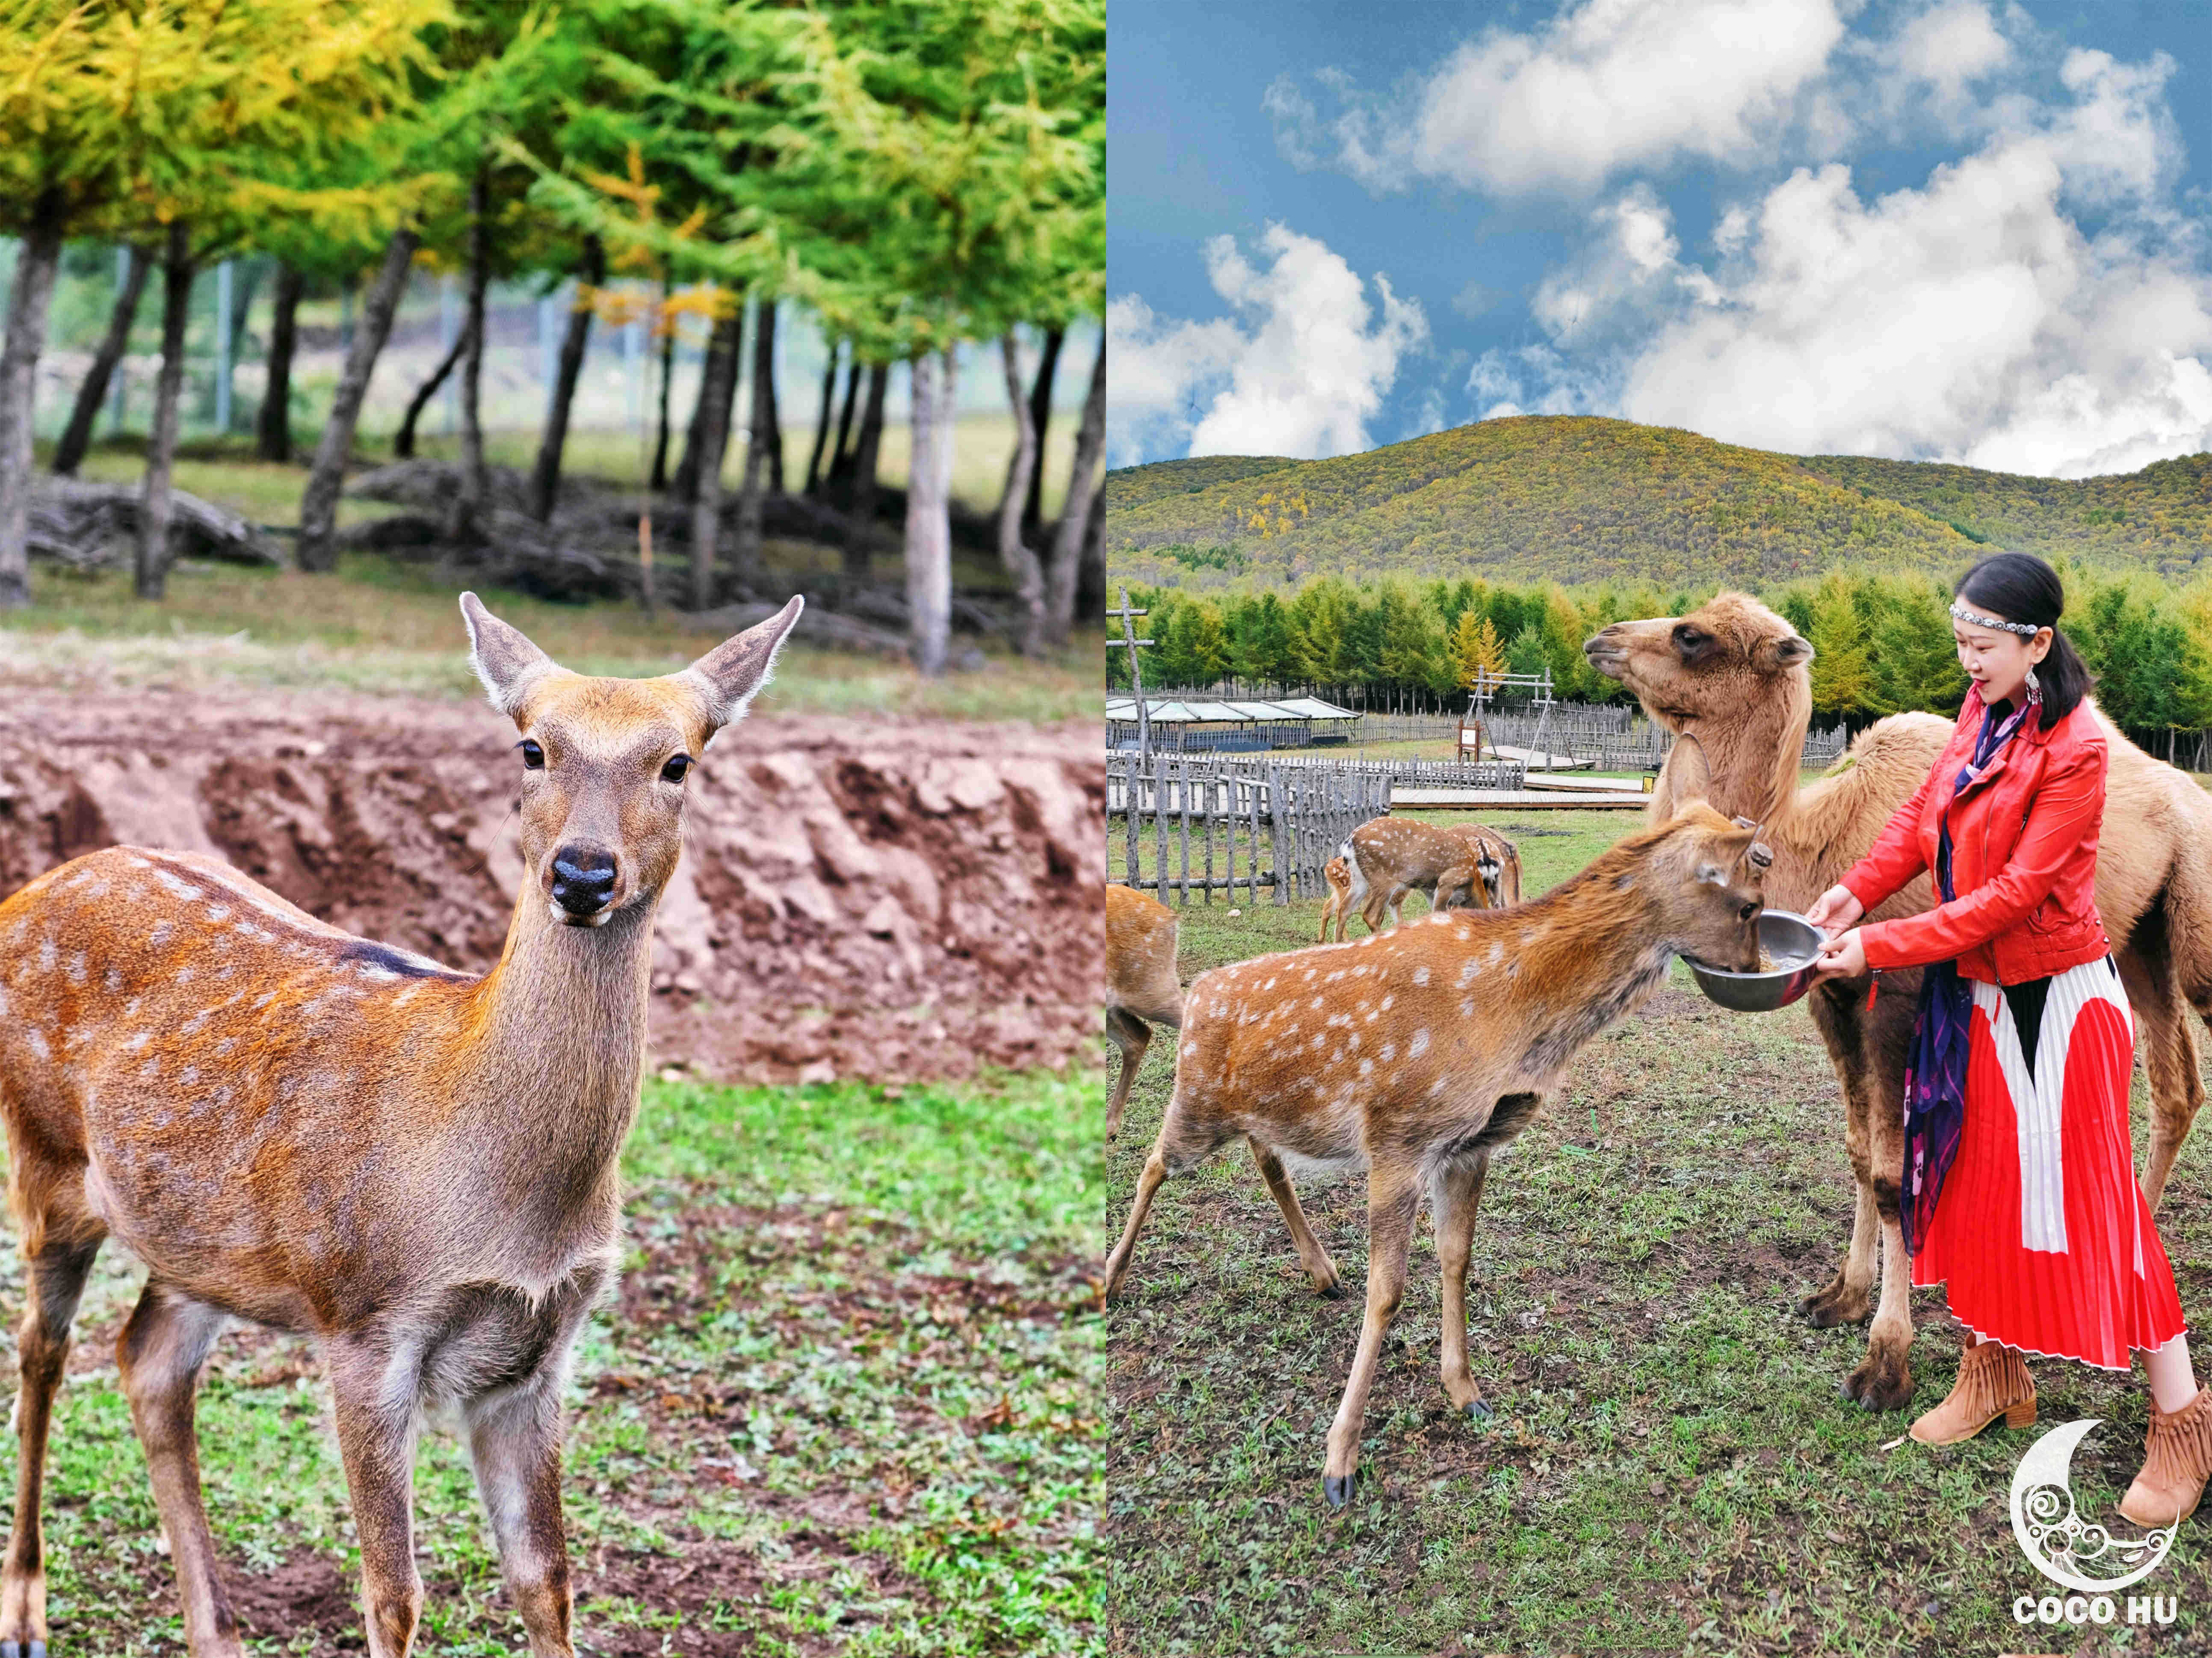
{"x": 555, "y": 1052}
{"x": 1596, "y": 953}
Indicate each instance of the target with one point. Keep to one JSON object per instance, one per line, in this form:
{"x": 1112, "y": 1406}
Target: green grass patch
{"x": 1670, "y": 1470}
{"x": 848, "y": 1401}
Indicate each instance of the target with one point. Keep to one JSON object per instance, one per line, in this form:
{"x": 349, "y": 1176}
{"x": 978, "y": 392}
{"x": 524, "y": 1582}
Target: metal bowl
{"x": 1782, "y": 935}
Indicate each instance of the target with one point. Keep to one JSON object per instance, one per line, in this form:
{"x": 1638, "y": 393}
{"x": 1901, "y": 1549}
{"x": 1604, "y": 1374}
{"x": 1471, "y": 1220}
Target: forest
{"x": 1882, "y": 643}
{"x": 905, "y": 179}
{"x": 1580, "y": 499}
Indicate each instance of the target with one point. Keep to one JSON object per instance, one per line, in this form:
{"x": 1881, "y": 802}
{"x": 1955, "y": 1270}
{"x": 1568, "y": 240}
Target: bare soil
{"x": 891, "y": 899}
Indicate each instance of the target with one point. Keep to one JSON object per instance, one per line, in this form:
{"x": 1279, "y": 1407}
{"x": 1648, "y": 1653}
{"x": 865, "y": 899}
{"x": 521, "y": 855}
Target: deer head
{"x": 1708, "y": 872}
{"x": 604, "y": 761}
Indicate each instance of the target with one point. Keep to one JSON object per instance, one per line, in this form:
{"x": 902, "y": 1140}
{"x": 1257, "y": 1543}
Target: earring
{"x": 2034, "y": 685}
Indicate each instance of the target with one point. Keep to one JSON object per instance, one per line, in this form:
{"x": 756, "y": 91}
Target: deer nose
{"x": 583, "y": 881}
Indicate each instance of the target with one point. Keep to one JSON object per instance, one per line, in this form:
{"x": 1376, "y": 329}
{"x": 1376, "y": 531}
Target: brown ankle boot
{"x": 1993, "y": 1381}
{"x": 2177, "y": 1460}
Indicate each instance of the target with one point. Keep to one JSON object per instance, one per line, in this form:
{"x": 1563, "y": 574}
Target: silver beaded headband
{"x": 1978, "y": 620}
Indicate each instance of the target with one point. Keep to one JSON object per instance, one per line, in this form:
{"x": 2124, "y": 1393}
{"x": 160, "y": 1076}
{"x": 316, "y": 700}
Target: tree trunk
{"x": 465, "y": 521}
{"x": 667, "y": 373}
{"x": 545, "y": 479}
{"x": 717, "y": 404}
{"x": 717, "y": 391}
{"x": 403, "y": 445}
{"x": 821, "y": 419}
{"x": 928, "y": 524}
{"x": 28, "y": 297}
{"x": 861, "y": 527}
{"x": 1090, "y": 581}
{"x": 273, "y": 426}
{"x": 760, "y": 445}
{"x": 840, "y": 457}
{"x": 1016, "y": 554}
{"x": 1041, "y": 417}
{"x": 319, "y": 508}
{"x": 766, "y": 420}
{"x": 1075, "y": 521}
{"x": 177, "y": 274}
{"x": 76, "y": 437}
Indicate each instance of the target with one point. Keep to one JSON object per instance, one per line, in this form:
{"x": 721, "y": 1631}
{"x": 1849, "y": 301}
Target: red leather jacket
{"x": 2023, "y": 856}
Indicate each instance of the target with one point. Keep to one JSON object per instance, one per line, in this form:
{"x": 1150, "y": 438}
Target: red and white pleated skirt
{"x": 2041, "y": 1231}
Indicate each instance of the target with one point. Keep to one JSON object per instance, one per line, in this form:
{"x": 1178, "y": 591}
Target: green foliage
{"x": 1882, "y": 644}
{"x": 1581, "y": 499}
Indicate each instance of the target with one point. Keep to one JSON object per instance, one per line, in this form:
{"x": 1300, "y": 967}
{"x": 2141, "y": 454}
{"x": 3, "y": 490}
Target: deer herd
{"x": 1415, "y": 1052}
{"x": 296, "y": 1127}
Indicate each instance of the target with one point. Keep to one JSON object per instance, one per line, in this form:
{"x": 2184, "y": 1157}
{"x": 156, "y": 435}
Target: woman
{"x": 2016, "y": 1083}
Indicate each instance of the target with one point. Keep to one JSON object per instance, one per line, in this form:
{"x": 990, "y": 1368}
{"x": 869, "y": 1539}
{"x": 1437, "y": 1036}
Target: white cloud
{"x": 1970, "y": 320}
{"x": 1300, "y": 370}
{"x": 1946, "y": 49}
{"x": 1628, "y": 273}
{"x": 1607, "y": 85}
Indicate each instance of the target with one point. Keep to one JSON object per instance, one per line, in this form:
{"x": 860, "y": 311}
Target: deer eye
{"x": 1748, "y": 912}
{"x": 533, "y": 757}
{"x": 674, "y": 770}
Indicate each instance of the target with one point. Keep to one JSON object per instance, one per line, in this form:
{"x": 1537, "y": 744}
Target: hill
{"x": 1582, "y": 499}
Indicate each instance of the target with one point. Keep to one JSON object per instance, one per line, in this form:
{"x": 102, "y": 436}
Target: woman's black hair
{"x": 2021, "y": 587}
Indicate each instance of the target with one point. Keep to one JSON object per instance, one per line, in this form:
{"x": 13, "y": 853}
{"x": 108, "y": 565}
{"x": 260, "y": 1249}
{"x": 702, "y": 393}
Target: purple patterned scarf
{"x": 1936, "y": 1065}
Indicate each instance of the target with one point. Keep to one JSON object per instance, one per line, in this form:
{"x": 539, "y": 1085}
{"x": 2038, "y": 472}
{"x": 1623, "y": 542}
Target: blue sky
{"x": 1969, "y": 230}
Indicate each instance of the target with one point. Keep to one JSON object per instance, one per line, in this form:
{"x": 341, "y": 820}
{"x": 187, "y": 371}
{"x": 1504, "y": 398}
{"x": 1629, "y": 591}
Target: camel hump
{"x": 1897, "y": 737}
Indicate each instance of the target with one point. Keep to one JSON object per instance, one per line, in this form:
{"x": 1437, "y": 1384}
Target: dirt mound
{"x": 891, "y": 899}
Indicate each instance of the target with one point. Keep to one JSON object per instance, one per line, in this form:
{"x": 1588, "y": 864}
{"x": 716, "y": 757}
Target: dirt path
{"x": 889, "y": 899}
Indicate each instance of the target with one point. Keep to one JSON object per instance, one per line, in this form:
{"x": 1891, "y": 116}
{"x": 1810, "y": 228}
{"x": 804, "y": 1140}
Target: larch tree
{"x": 138, "y": 118}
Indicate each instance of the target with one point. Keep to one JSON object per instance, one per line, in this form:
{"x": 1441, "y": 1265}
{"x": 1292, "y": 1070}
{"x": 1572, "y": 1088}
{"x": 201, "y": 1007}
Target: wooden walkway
{"x": 1448, "y": 800}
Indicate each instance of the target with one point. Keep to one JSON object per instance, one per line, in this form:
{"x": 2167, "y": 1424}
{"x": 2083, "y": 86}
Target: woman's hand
{"x": 1834, "y": 910}
{"x": 1844, "y": 958}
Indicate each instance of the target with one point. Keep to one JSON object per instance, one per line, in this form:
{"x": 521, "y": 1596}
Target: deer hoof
{"x": 1336, "y": 1487}
{"x": 1833, "y": 1304}
{"x": 1480, "y": 1410}
{"x": 1333, "y": 1291}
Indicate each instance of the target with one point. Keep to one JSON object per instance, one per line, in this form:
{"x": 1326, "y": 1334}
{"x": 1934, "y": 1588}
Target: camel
{"x": 1731, "y": 680}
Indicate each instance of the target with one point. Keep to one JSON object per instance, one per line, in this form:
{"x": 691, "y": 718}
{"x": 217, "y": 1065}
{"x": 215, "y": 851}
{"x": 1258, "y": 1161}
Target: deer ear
{"x": 1687, "y": 775}
{"x": 1789, "y": 652}
{"x": 730, "y": 675}
{"x": 506, "y": 660}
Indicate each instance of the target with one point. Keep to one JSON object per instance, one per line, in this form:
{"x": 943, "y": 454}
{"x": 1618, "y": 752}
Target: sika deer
{"x": 1336, "y": 909}
{"x": 293, "y": 1125}
{"x": 1491, "y": 882}
{"x": 1141, "y": 986}
{"x": 1419, "y": 1052}
{"x": 1390, "y": 857}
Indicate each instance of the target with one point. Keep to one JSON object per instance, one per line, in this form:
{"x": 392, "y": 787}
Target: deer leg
{"x": 376, "y": 1443}
{"x": 1458, "y": 1190}
{"x": 1148, "y": 1182}
{"x": 1314, "y": 1258}
{"x": 1132, "y": 1037}
{"x": 56, "y": 1280}
{"x": 514, "y": 1440}
{"x": 1392, "y": 1197}
{"x": 160, "y": 1353}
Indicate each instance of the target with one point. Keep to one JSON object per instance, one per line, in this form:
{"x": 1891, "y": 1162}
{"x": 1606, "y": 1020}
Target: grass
{"x": 846, "y": 1403}
{"x": 391, "y": 629}
{"x": 1670, "y": 1469}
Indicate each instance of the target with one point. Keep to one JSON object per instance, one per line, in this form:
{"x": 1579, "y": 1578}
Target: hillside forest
{"x": 1581, "y": 500}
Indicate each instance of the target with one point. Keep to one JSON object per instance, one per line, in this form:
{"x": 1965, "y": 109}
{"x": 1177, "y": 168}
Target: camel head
{"x": 1730, "y": 652}
{"x": 1735, "y": 673}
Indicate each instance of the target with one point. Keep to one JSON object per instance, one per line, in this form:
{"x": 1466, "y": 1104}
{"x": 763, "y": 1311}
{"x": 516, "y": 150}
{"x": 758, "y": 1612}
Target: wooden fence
{"x": 1426, "y": 773}
{"x": 1204, "y": 824}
